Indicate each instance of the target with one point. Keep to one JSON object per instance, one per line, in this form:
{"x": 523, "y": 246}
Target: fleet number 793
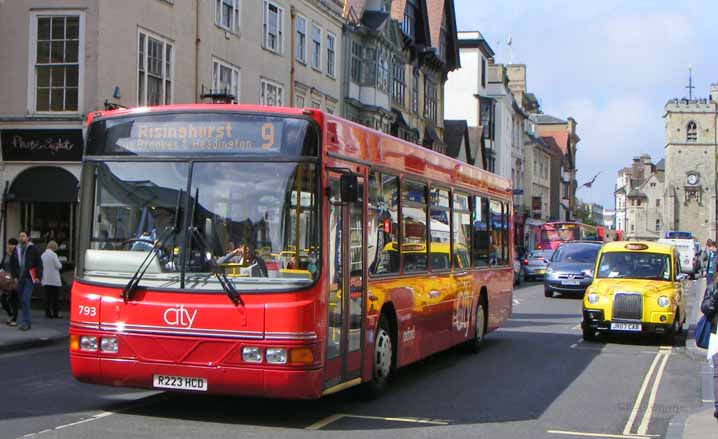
{"x": 87, "y": 310}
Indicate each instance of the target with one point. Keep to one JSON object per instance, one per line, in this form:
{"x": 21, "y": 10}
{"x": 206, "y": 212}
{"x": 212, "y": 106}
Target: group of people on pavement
{"x": 23, "y": 268}
{"x": 709, "y": 308}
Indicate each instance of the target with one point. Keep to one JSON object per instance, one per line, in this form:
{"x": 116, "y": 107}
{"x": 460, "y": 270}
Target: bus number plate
{"x": 180, "y": 383}
{"x": 626, "y": 326}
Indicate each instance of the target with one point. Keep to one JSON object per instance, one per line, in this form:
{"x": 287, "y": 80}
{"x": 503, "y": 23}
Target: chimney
{"x": 714, "y": 92}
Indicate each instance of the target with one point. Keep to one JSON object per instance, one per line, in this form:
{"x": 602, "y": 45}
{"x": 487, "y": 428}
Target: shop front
{"x": 41, "y": 169}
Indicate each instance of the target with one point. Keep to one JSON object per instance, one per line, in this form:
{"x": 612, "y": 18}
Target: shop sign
{"x": 41, "y": 145}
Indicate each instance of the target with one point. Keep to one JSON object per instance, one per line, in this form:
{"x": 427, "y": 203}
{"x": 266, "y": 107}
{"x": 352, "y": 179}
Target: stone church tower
{"x": 690, "y": 178}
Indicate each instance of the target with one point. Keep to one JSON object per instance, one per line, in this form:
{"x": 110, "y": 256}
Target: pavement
{"x": 700, "y": 423}
{"x": 44, "y": 332}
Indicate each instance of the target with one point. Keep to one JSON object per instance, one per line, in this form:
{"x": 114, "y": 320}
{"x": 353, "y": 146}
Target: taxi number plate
{"x": 571, "y": 282}
{"x": 626, "y": 326}
{"x": 180, "y": 383}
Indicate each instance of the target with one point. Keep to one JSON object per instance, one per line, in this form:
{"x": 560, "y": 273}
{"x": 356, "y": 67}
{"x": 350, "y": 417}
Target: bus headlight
{"x": 108, "y": 345}
{"x": 593, "y": 298}
{"x": 664, "y": 301}
{"x": 276, "y": 356}
{"x": 88, "y": 343}
{"x": 251, "y": 354}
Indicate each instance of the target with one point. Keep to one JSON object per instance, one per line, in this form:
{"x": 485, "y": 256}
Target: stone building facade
{"x": 641, "y": 199}
{"x": 691, "y": 148}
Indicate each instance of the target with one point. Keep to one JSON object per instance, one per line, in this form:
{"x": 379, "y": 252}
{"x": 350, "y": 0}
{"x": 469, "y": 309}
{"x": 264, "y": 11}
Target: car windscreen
{"x": 581, "y": 253}
{"x": 635, "y": 265}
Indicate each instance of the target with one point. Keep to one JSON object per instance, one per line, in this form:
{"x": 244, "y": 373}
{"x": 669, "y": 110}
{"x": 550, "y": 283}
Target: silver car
{"x": 535, "y": 263}
{"x": 571, "y": 268}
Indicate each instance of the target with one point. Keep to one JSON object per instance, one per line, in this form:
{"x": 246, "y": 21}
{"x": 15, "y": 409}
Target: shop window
{"x": 413, "y": 226}
{"x": 481, "y": 243}
{"x": 461, "y": 231}
{"x": 383, "y": 219}
{"x": 439, "y": 229}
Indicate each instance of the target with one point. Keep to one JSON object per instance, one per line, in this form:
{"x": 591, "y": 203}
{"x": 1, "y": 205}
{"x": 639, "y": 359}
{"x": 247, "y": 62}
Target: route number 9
{"x": 87, "y": 310}
{"x": 268, "y": 136}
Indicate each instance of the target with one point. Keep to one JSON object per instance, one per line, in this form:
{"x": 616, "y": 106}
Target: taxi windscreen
{"x": 635, "y": 265}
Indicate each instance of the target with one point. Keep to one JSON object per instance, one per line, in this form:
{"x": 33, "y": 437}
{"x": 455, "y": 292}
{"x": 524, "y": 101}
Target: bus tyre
{"x": 382, "y": 361}
{"x": 474, "y": 345}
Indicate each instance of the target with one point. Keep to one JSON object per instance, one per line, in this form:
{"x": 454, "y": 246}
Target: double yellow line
{"x": 659, "y": 364}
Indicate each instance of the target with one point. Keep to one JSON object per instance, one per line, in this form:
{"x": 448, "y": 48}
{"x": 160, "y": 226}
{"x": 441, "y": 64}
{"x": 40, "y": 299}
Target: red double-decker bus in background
{"x": 277, "y": 252}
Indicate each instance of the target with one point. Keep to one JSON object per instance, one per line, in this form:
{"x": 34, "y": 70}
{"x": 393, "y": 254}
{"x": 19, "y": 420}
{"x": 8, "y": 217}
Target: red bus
{"x": 550, "y": 235}
{"x": 277, "y": 252}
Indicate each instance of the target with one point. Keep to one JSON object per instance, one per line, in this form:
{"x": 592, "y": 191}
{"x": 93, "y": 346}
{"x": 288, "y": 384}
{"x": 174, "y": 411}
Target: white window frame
{"x": 280, "y": 27}
{"x": 165, "y": 41}
{"x": 236, "y": 7}
{"x": 318, "y": 55}
{"x": 317, "y": 103}
{"x": 297, "y": 102}
{"x": 332, "y": 66}
{"x": 236, "y": 74}
{"x": 303, "y": 46}
{"x": 263, "y": 91}
{"x": 32, "y": 58}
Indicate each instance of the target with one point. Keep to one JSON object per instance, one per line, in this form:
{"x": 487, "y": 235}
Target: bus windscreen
{"x": 214, "y": 134}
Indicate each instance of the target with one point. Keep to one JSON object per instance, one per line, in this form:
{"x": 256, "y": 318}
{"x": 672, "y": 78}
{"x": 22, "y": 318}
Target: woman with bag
{"x": 709, "y": 307}
{"x": 51, "y": 281}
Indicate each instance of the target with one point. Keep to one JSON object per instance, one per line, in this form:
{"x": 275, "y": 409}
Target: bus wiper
{"x": 129, "y": 289}
{"x": 221, "y": 276}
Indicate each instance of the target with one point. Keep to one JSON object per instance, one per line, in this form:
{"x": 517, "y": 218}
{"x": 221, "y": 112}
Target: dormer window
{"x": 408, "y": 26}
{"x": 692, "y": 132}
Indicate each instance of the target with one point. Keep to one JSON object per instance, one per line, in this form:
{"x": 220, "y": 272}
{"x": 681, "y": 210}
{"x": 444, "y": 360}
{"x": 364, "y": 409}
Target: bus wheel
{"x": 383, "y": 360}
{"x": 475, "y": 343}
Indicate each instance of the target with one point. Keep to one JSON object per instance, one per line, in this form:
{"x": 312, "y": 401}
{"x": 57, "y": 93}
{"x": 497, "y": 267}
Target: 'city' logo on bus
{"x": 179, "y": 316}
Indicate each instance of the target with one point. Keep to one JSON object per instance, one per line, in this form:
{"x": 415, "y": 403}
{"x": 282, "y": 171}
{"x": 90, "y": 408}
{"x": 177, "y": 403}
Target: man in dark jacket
{"x": 8, "y": 297}
{"x": 26, "y": 267}
{"x": 709, "y": 307}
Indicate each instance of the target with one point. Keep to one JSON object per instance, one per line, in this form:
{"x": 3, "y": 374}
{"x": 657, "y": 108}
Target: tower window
{"x": 692, "y": 132}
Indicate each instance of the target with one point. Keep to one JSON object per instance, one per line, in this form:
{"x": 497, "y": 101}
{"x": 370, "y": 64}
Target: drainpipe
{"x": 292, "y": 32}
{"x": 196, "y": 49}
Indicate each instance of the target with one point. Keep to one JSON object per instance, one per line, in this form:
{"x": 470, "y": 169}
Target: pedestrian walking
{"x": 710, "y": 259}
{"x": 51, "y": 281}
{"x": 8, "y": 285}
{"x": 26, "y": 267}
{"x": 709, "y": 307}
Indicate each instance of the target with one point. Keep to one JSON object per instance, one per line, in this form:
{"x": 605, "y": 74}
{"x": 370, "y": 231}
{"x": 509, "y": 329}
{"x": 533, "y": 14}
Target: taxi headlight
{"x": 593, "y": 298}
{"x": 664, "y": 301}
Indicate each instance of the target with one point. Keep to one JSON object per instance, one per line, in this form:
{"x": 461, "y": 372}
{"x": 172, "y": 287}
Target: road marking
{"x": 639, "y": 398}
{"x": 333, "y": 418}
{"x": 607, "y": 435}
{"x": 643, "y": 428}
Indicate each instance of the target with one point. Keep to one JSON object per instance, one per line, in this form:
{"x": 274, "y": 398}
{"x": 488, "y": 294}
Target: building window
{"x": 316, "y": 103}
{"x": 638, "y": 203}
{"x": 382, "y": 82}
{"x": 658, "y": 202}
{"x": 398, "y": 89}
{"x": 658, "y": 225}
{"x": 357, "y": 62}
{"x": 301, "y": 49}
{"x": 299, "y": 101}
{"x": 58, "y": 61}
{"x": 316, "y": 47}
{"x": 443, "y": 42}
{"x": 273, "y": 19}
{"x": 225, "y": 79}
{"x": 483, "y": 72}
{"x": 415, "y": 92}
{"x": 331, "y": 108}
{"x": 429, "y": 100}
{"x": 408, "y": 26}
{"x": 271, "y": 93}
{"x": 331, "y": 55}
{"x": 156, "y": 60}
{"x": 692, "y": 132}
{"x": 227, "y": 14}
{"x": 653, "y": 184}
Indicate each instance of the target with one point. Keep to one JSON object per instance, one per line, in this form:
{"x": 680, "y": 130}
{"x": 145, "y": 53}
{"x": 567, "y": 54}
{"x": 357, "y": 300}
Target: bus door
{"x": 347, "y": 285}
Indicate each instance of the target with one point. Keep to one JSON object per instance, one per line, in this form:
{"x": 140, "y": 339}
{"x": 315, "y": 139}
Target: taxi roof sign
{"x": 636, "y": 246}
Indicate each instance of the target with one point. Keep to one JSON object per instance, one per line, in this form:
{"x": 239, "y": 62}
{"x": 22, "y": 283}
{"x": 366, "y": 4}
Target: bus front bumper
{"x": 228, "y": 380}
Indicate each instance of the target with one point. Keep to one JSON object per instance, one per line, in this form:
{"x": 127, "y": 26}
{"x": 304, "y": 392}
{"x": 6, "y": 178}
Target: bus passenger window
{"x": 382, "y": 242}
{"x": 461, "y": 232}
{"x": 413, "y": 237}
{"x": 505, "y": 230}
{"x": 497, "y": 234}
{"x": 439, "y": 229}
{"x": 482, "y": 243}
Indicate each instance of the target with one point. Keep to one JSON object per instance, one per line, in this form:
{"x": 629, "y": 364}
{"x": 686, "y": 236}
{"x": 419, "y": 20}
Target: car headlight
{"x": 587, "y": 272}
{"x": 664, "y": 301}
{"x": 593, "y": 298}
{"x": 549, "y": 269}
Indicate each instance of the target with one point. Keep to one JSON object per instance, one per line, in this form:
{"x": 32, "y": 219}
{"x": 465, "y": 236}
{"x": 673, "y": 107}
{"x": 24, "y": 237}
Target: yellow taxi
{"x": 637, "y": 288}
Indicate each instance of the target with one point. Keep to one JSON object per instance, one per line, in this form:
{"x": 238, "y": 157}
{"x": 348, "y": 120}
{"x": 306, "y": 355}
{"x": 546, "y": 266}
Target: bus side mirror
{"x": 349, "y": 188}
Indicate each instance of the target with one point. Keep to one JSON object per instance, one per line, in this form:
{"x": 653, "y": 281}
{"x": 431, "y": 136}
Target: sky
{"x": 612, "y": 65}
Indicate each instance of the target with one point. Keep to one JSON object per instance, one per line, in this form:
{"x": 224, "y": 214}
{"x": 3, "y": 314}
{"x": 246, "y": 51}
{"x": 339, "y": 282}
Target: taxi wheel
{"x": 589, "y": 334}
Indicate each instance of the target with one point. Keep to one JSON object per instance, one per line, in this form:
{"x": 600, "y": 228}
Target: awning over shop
{"x": 44, "y": 184}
